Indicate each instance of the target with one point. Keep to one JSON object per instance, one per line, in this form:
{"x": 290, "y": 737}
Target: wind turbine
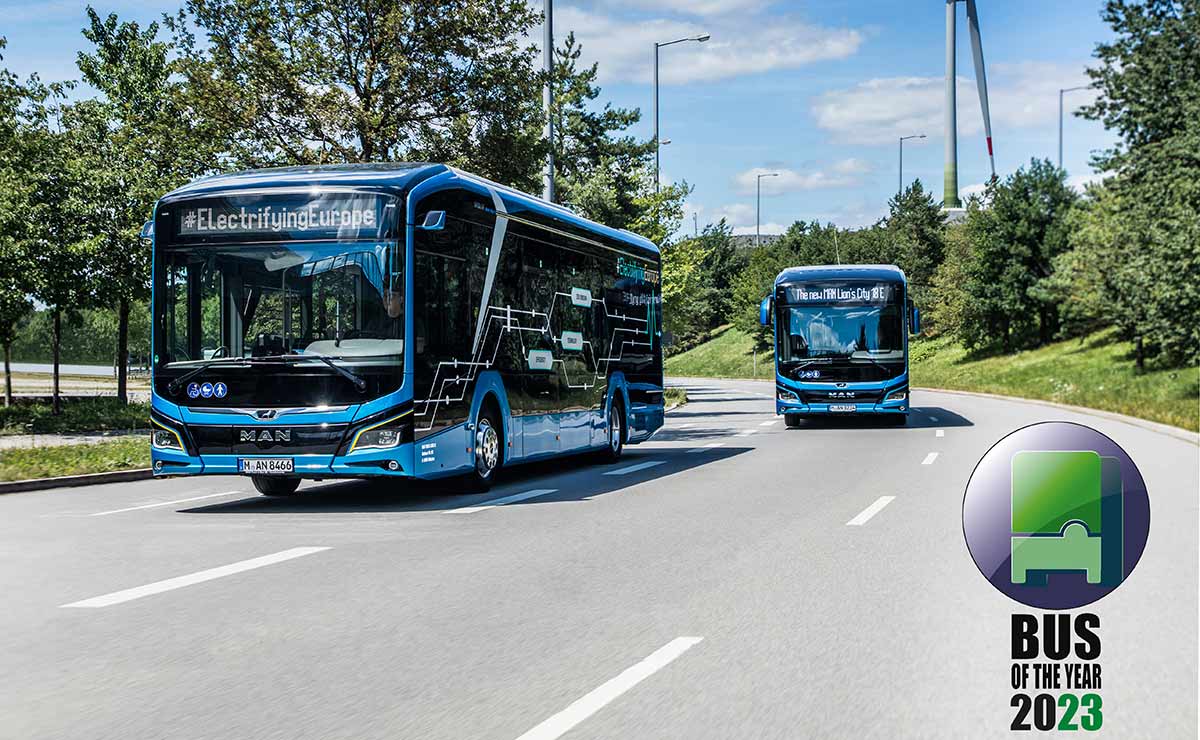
{"x": 950, "y": 196}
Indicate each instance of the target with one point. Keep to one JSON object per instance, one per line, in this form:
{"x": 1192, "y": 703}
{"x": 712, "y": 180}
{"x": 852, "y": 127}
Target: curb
{"x": 72, "y": 481}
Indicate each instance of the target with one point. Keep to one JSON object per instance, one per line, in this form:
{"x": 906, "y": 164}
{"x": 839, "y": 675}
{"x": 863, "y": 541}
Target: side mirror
{"x": 434, "y": 221}
{"x": 764, "y": 311}
{"x": 147, "y": 232}
{"x": 914, "y": 319}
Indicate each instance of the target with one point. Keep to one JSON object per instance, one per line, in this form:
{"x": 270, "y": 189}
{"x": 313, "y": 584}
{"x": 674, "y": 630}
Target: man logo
{"x": 265, "y": 435}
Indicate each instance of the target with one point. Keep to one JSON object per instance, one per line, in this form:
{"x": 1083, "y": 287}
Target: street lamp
{"x": 699, "y": 39}
{"x": 548, "y": 99}
{"x": 758, "y": 203}
{"x": 1060, "y": 117}
{"x": 900, "y": 192}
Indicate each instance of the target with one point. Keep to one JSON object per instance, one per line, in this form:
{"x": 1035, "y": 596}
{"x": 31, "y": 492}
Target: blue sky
{"x": 817, "y": 91}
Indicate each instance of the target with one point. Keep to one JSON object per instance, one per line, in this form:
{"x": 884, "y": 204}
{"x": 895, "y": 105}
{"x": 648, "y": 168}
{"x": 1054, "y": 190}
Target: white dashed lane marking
{"x": 769, "y": 422}
{"x": 502, "y": 501}
{"x": 941, "y": 433}
{"x": 929, "y": 458}
{"x": 870, "y": 511}
{"x": 168, "y": 503}
{"x": 706, "y": 448}
{"x": 635, "y": 468}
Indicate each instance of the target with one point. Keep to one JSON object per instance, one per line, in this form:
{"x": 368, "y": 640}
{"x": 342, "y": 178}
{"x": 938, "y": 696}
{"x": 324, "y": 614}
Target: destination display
{"x": 320, "y": 216}
{"x": 863, "y": 294}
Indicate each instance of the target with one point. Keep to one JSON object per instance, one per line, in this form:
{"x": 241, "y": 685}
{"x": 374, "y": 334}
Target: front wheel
{"x": 488, "y": 447}
{"x": 792, "y": 421}
{"x": 269, "y": 486}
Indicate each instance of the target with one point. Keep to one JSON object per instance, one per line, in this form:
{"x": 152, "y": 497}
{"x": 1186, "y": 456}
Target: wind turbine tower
{"x": 950, "y": 195}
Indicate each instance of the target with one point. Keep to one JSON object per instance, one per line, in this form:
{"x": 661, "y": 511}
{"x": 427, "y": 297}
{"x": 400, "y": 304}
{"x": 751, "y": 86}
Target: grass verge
{"x": 97, "y": 414}
{"x": 1096, "y": 372}
{"x": 47, "y": 462}
{"x": 674, "y": 397}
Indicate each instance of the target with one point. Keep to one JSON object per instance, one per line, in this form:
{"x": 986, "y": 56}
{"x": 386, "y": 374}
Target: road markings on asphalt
{"x": 929, "y": 458}
{"x": 635, "y": 468}
{"x": 685, "y": 426}
{"x": 168, "y": 503}
{"x": 706, "y": 448}
{"x": 596, "y": 699}
{"x": 870, "y": 511}
{"x": 769, "y": 422}
{"x": 746, "y": 432}
{"x": 941, "y": 432}
{"x": 158, "y": 587}
{"x": 502, "y": 501}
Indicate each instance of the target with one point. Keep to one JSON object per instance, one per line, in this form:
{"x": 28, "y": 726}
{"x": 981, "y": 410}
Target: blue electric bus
{"x": 398, "y": 320}
{"x": 841, "y": 341}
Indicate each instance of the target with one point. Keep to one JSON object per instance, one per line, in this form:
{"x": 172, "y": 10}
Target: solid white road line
{"x": 769, "y": 422}
{"x": 129, "y": 594}
{"x": 941, "y": 433}
{"x": 502, "y": 501}
{"x": 929, "y": 458}
{"x": 596, "y": 699}
{"x": 706, "y": 448}
{"x": 685, "y": 426}
{"x": 168, "y": 503}
{"x": 635, "y": 468}
{"x": 870, "y": 511}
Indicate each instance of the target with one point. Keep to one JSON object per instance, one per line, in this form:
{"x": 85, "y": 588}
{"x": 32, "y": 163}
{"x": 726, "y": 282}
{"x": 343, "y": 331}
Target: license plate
{"x": 842, "y": 407}
{"x": 266, "y": 465}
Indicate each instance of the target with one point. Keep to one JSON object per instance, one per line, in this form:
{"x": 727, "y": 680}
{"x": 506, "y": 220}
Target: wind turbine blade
{"x": 980, "y": 78}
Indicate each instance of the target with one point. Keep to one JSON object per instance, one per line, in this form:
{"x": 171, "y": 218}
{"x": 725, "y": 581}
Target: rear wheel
{"x": 488, "y": 447}
{"x": 269, "y": 486}
{"x": 616, "y": 432}
{"x": 792, "y": 421}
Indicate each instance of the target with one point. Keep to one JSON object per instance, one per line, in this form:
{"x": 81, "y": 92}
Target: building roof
{"x": 839, "y": 272}
{"x": 395, "y": 177}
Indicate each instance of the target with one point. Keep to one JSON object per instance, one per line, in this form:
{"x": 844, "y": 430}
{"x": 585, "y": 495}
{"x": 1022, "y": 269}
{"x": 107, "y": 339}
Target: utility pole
{"x": 548, "y": 99}
{"x": 699, "y": 39}
{"x": 758, "y": 204}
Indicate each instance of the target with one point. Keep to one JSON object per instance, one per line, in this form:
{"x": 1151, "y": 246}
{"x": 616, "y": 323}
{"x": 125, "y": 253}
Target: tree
{"x": 324, "y": 81}
{"x": 1148, "y": 78}
{"x": 14, "y": 283}
{"x": 916, "y": 226}
{"x": 756, "y": 281}
{"x": 1015, "y": 239}
{"x": 139, "y": 141}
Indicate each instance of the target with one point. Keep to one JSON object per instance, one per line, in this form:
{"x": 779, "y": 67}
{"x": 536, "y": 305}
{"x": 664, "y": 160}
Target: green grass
{"x": 45, "y": 462}
{"x": 729, "y": 354}
{"x": 1096, "y": 372}
{"x": 674, "y": 396}
{"x": 98, "y": 414}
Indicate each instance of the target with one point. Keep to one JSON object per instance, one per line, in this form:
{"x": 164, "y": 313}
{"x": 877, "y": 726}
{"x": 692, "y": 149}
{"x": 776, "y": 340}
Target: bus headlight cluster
{"x": 787, "y": 396}
{"x": 165, "y": 439}
{"x": 900, "y": 395}
{"x": 382, "y": 436}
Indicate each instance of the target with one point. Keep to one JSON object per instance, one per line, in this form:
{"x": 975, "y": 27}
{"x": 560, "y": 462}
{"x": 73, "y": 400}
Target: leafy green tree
{"x": 1016, "y": 238}
{"x": 952, "y": 310}
{"x": 1148, "y": 78}
{"x": 326, "y": 81}
{"x": 139, "y": 141}
{"x": 916, "y": 227}
{"x": 755, "y": 282}
{"x": 14, "y": 280}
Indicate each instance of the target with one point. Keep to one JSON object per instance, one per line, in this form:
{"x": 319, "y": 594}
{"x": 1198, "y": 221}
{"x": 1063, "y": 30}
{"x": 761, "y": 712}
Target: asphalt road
{"x": 729, "y": 579}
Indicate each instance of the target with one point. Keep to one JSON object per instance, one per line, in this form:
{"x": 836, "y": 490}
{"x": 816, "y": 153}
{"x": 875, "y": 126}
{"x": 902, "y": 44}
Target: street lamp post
{"x": 900, "y": 191}
{"x": 548, "y": 99}
{"x": 699, "y": 39}
{"x": 758, "y": 204}
{"x": 1060, "y": 118}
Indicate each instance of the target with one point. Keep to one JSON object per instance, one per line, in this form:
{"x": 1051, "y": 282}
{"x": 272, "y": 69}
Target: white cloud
{"x": 976, "y": 189}
{"x": 1079, "y": 183}
{"x": 842, "y": 174}
{"x": 743, "y": 42}
{"x": 879, "y": 111}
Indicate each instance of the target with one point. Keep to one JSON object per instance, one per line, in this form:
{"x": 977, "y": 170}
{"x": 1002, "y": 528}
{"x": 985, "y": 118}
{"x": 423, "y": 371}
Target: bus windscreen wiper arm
{"x": 177, "y": 383}
{"x": 357, "y": 380}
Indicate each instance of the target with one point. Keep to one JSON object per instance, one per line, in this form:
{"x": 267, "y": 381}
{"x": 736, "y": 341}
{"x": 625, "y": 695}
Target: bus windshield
{"x": 851, "y": 339}
{"x": 343, "y": 302}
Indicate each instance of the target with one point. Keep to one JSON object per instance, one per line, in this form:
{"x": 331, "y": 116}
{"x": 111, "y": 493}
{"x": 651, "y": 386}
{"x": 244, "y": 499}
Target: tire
{"x": 489, "y": 451}
{"x": 897, "y": 420}
{"x": 615, "y": 440}
{"x": 792, "y": 421}
{"x": 270, "y": 486}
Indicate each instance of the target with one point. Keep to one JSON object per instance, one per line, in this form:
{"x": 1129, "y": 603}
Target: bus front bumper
{"x": 395, "y": 462}
{"x": 788, "y": 402}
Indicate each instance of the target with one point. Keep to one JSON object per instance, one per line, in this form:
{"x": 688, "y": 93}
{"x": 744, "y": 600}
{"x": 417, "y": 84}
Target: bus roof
{"x": 395, "y": 177}
{"x": 840, "y": 272}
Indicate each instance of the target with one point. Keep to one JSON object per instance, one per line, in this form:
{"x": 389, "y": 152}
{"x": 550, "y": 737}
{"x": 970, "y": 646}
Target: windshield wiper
{"x": 357, "y": 380}
{"x": 176, "y": 383}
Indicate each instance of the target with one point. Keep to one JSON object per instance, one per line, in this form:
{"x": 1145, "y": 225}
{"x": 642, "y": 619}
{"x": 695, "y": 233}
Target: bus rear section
{"x": 841, "y": 342}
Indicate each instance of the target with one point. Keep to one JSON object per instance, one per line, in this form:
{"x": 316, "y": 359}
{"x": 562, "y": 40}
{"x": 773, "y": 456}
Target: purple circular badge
{"x": 1056, "y": 515}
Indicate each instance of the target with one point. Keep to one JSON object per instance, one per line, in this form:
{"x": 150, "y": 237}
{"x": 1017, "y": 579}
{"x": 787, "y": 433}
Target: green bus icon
{"x": 1060, "y": 516}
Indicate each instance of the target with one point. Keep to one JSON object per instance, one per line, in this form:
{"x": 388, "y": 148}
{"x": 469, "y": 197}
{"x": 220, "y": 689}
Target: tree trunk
{"x": 1140, "y": 355}
{"x": 123, "y": 350}
{"x": 56, "y": 405}
{"x": 8, "y": 374}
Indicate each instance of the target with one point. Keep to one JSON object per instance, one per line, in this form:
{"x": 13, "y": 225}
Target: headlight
{"x": 165, "y": 439}
{"x": 900, "y": 395}
{"x": 787, "y": 396}
{"x": 381, "y": 436}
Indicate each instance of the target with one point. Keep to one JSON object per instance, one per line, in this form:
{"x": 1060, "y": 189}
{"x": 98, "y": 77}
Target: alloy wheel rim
{"x": 614, "y": 429}
{"x": 487, "y": 444}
